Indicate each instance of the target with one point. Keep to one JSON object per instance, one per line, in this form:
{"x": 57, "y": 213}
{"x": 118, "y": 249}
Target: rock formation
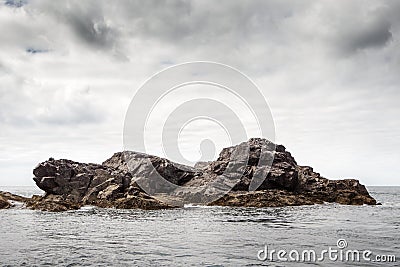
{"x": 4, "y": 204}
{"x": 287, "y": 183}
{"x": 120, "y": 180}
{"x": 71, "y": 184}
{"x": 6, "y": 199}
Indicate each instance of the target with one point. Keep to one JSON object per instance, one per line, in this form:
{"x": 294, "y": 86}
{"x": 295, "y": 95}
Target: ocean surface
{"x": 200, "y": 236}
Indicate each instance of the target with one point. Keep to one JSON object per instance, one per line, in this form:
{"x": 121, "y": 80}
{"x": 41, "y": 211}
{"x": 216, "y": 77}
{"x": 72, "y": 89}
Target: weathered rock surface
{"x": 4, "y": 204}
{"x": 70, "y": 185}
{"x": 278, "y": 170}
{"x": 115, "y": 183}
{"x": 287, "y": 184}
{"x": 7, "y": 198}
{"x": 265, "y": 198}
{"x": 51, "y": 202}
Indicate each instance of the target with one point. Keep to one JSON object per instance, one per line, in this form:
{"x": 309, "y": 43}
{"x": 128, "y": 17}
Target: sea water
{"x": 201, "y": 236}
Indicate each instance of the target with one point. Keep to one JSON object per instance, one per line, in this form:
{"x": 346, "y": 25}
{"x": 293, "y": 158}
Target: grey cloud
{"x": 72, "y": 111}
{"x": 34, "y": 106}
{"x": 366, "y": 35}
{"x": 85, "y": 18}
{"x": 329, "y": 70}
{"x": 15, "y": 3}
{"x": 355, "y": 26}
{"x": 31, "y": 50}
{"x": 192, "y": 24}
{"x": 93, "y": 31}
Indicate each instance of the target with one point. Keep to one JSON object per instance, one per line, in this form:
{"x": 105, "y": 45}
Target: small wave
{"x": 87, "y": 208}
{"x": 190, "y": 205}
{"x": 391, "y": 204}
{"x": 17, "y": 204}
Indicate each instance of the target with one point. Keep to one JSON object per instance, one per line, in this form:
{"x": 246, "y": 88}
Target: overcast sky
{"x": 329, "y": 70}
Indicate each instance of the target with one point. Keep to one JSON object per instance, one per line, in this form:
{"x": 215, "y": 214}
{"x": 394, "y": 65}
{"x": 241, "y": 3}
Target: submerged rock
{"x": 115, "y": 183}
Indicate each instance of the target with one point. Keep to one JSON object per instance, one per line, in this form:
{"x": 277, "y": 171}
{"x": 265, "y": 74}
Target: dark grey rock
{"x": 118, "y": 181}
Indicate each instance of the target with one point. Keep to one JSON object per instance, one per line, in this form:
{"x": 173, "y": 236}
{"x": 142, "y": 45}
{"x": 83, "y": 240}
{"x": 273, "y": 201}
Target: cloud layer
{"x": 328, "y": 69}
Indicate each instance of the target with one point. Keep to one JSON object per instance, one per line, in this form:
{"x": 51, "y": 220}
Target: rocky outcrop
{"x": 119, "y": 181}
{"x": 70, "y": 185}
{"x": 265, "y": 198}
{"x": 4, "y": 204}
{"x": 50, "y": 202}
{"x": 7, "y": 199}
{"x": 349, "y": 191}
{"x": 278, "y": 170}
{"x": 287, "y": 183}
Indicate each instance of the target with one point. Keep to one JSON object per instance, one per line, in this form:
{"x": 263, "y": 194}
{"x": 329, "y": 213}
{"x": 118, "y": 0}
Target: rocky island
{"x": 116, "y": 183}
